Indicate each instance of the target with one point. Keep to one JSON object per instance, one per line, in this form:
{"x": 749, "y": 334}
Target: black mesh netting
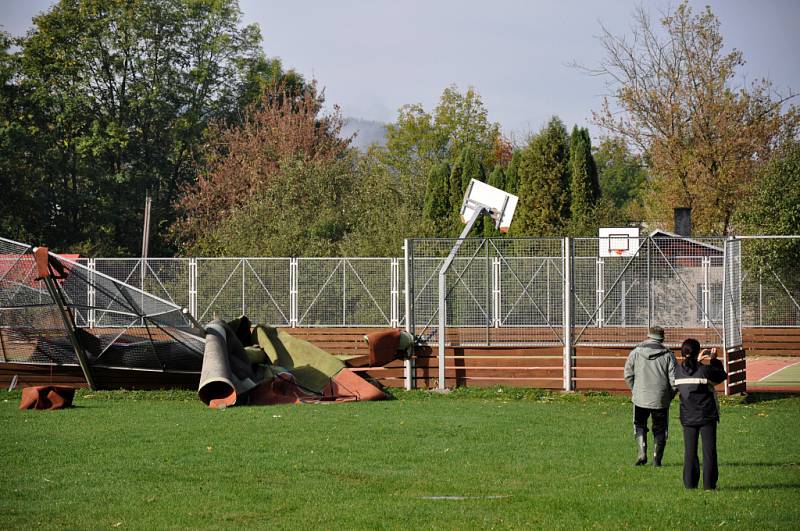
{"x": 118, "y": 326}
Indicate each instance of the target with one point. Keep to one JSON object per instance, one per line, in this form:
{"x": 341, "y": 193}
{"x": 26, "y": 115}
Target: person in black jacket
{"x": 695, "y": 379}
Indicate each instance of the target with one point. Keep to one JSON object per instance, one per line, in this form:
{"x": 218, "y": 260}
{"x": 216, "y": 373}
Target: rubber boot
{"x": 641, "y": 440}
{"x": 658, "y": 449}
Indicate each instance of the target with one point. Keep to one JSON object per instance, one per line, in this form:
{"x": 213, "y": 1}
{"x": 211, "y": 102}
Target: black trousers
{"x": 660, "y": 421}
{"x": 691, "y": 465}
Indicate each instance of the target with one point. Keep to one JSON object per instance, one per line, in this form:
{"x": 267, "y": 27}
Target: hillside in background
{"x": 367, "y": 132}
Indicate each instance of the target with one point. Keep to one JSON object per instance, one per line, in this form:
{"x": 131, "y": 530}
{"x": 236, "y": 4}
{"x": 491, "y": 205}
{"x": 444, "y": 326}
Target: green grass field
{"x": 470, "y": 459}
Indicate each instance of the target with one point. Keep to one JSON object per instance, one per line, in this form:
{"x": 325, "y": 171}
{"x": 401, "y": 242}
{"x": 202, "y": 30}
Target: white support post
{"x": 193, "y": 286}
{"x": 344, "y": 263}
{"x": 142, "y": 277}
{"x": 244, "y": 286}
{"x": 394, "y": 281}
{"x": 91, "y": 295}
{"x": 601, "y": 292}
{"x": 442, "y": 326}
{"x": 725, "y": 282}
{"x": 408, "y": 365}
{"x": 497, "y": 299}
{"x": 293, "y": 274}
{"x": 566, "y": 252}
{"x": 706, "y": 295}
{"x": 548, "y": 261}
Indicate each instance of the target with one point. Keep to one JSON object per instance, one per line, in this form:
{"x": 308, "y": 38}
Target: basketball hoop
{"x": 616, "y": 242}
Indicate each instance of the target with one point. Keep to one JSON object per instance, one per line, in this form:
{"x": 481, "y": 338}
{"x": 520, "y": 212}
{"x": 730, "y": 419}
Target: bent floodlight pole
{"x": 479, "y": 210}
{"x": 42, "y": 258}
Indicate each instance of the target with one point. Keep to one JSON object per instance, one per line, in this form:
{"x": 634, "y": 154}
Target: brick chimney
{"x": 683, "y": 222}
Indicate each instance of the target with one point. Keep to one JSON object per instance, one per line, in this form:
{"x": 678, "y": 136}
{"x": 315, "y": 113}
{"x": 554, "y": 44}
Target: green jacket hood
{"x": 652, "y": 349}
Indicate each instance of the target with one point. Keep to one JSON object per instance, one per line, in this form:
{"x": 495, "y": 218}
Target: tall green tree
{"x": 678, "y": 100}
{"x": 621, "y": 173}
{"x": 544, "y": 178}
{"x": 584, "y": 185}
{"x": 418, "y": 141}
{"x": 20, "y": 217}
{"x": 438, "y": 209}
{"x": 774, "y": 208}
{"x": 119, "y": 94}
{"x": 281, "y": 131}
{"x": 467, "y": 167}
{"x": 463, "y": 122}
{"x": 303, "y": 211}
{"x": 512, "y": 178}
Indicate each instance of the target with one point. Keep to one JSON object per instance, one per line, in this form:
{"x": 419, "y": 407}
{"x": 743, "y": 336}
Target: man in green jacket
{"x": 650, "y": 373}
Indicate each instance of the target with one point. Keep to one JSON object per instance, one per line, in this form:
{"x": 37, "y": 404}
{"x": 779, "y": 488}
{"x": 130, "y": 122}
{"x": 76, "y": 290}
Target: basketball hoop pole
{"x": 479, "y": 210}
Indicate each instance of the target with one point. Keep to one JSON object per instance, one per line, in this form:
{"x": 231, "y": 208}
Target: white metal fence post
{"x": 725, "y": 316}
{"x": 706, "y": 310}
{"x": 394, "y": 281}
{"x": 293, "y": 274}
{"x": 442, "y": 326}
{"x": 601, "y": 293}
{"x": 408, "y": 364}
{"x": 90, "y": 294}
{"x": 566, "y": 252}
{"x": 497, "y": 300}
{"x": 193, "y": 286}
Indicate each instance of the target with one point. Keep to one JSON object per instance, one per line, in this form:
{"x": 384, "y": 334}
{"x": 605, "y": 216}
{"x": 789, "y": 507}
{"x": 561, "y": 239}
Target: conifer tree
{"x": 543, "y": 174}
{"x": 584, "y": 184}
{"x": 437, "y": 207}
{"x": 512, "y": 181}
{"x": 455, "y": 191}
{"x": 467, "y": 167}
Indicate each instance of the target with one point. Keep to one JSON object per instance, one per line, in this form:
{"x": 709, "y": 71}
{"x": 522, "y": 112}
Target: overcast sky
{"x": 374, "y": 56}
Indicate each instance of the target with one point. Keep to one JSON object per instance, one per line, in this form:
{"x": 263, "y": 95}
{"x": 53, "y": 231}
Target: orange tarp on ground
{"x": 47, "y": 397}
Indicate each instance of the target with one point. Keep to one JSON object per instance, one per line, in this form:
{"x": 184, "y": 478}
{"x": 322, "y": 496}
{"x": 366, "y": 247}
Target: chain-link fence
{"x": 581, "y": 305}
{"x": 289, "y": 292}
{"x": 498, "y": 291}
{"x": 513, "y": 291}
{"x": 770, "y": 291}
{"x": 669, "y": 281}
{"x": 503, "y": 291}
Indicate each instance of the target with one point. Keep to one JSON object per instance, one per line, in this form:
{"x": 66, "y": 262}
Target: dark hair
{"x": 689, "y": 350}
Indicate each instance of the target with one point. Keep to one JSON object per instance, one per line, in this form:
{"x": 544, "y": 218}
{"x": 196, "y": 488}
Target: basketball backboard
{"x": 500, "y": 204}
{"x": 618, "y": 241}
